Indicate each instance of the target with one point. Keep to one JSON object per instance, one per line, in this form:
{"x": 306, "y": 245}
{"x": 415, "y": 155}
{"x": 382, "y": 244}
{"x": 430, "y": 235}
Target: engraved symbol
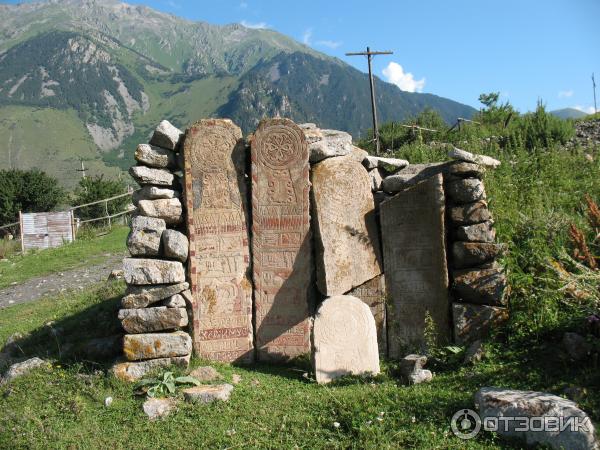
{"x": 279, "y": 147}
{"x": 281, "y": 188}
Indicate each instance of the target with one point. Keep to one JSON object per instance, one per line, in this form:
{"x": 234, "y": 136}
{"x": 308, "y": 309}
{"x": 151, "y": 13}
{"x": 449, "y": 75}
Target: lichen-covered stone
{"x": 175, "y": 301}
{"x": 135, "y": 370}
{"x": 144, "y": 237}
{"x": 463, "y": 155}
{"x": 473, "y": 254}
{"x": 23, "y": 368}
{"x": 466, "y": 170}
{"x": 157, "y": 408}
{"x": 166, "y": 136}
{"x": 466, "y": 190}
{"x": 208, "y": 393}
{"x": 376, "y": 180}
{"x": 487, "y": 287}
{"x": 175, "y": 245}
{"x": 206, "y": 374}
{"x": 153, "y": 156}
{"x": 148, "y": 175}
{"x": 390, "y": 165}
{"x": 146, "y": 320}
{"x": 149, "y": 192}
{"x": 411, "y": 176}
{"x": 479, "y": 232}
{"x": 473, "y": 322}
{"x": 170, "y": 210}
{"x": 470, "y": 213}
{"x": 156, "y": 345}
{"x": 152, "y": 271}
{"x": 142, "y": 296}
{"x": 324, "y": 144}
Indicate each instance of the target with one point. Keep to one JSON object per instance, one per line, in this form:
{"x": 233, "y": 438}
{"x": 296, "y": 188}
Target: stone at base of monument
{"x": 134, "y": 370}
{"x": 146, "y": 320}
{"x": 144, "y": 237}
{"x": 147, "y": 175}
{"x": 139, "y": 271}
{"x": 168, "y": 209}
{"x": 480, "y": 232}
{"x": 486, "y": 286}
{"x": 373, "y": 294}
{"x": 473, "y": 254}
{"x": 142, "y": 296}
{"x": 473, "y": 322}
{"x": 156, "y": 345}
{"x": 208, "y": 393}
{"x": 566, "y": 426}
{"x": 411, "y": 369}
{"x": 470, "y": 213}
{"x": 344, "y": 339}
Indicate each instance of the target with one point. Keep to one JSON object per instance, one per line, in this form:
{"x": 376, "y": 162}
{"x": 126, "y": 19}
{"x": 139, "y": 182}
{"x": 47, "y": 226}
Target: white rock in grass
{"x": 156, "y": 408}
{"x": 208, "y": 393}
{"x": 148, "y": 175}
{"x": 23, "y": 368}
{"x": 166, "y": 135}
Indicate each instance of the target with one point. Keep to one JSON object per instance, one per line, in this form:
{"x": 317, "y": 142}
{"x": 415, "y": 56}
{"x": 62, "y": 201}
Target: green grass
{"x": 63, "y": 406}
{"x": 82, "y": 252}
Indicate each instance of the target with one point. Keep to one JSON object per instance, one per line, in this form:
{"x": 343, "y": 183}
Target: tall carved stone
{"x": 347, "y": 248}
{"x": 372, "y": 293}
{"x": 416, "y": 273}
{"x": 281, "y": 242}
{"x": 219, "y": 257}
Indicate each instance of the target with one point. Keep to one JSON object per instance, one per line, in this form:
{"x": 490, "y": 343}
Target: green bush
{"x": 92, "y": 189}
{"x": 27, "y": 191}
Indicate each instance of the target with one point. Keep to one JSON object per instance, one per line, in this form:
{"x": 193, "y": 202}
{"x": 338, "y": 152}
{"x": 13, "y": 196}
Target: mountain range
{"x": 86, "y": 80}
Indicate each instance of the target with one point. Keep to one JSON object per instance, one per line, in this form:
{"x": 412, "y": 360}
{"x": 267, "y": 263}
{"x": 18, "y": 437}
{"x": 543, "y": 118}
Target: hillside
{"x": 568, "y": 113}
{"x": 102, "y": 73}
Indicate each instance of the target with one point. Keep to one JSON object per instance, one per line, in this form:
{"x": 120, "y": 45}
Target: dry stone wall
{"x": 296, "y": 242}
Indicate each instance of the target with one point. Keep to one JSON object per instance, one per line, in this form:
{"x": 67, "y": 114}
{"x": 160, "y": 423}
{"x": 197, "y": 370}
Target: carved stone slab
{"x": 219, "y": 257}
{"x": 344, "y": 339}
{"x": 347, "y": 240}
{"x": 416, "y": 273}
{"x": 372, "y": 293}
{"x": 281, "y": 244}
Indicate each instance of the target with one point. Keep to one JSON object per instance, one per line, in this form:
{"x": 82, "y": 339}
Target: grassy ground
{"x": 62, "y": 406}
{"x": 85, "y": 251}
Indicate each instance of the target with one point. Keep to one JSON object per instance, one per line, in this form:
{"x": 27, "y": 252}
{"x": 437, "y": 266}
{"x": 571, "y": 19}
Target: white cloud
{"x": 307, "y": 35}
{"x": 243, "y": 5}
{"x": 585, "y": 109}
{"x": 404, "y": 80}
{"x": 565, "y": 94}
{"x": 255, "y": 25}
{"x": 331, "y": 44}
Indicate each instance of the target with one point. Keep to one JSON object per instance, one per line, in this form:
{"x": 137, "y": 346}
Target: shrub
{"x": 92, "y": 189}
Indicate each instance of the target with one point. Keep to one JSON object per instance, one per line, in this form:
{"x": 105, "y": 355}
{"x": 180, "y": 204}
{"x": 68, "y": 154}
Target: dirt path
{"x": 76, "y": 279}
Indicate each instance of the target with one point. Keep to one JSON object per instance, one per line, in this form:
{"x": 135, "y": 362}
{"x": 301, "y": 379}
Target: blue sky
{"x": 458, "y": 49}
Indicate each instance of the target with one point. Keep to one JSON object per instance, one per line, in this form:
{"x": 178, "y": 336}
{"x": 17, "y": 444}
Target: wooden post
{"x": 22, "y": 233}
{"x": 108, "y": 215}
{"x": 73, "y": 228}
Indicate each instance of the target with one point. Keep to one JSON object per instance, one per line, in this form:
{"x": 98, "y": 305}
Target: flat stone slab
{"x": 470, "y": 213}
{"x": 175, "y": 301}
{"x": 281, "y": 241}
{"x": 344, "y": 339}
{"x": 373, "y": 294}
{"x": 142, "y": 296}
{"x": 143, "y": 271}
{"x": 148, "y": 175}
{"x": 324, "y": 144}
{"x": 463, "y": 155}
{"x": 166, "y": 135}
{"x": 169, "y": 209}
{"x": 156, "y": 345}
{"x": 412, "y": 175}
{"x": 135, "y": 370}
{"x": 153, "y": 156}
{"x": 486, "y": 287}
{"x": 473, "y": 322}
{"x": 219, "y": 258}
{"x": 390, "y": 165}
{"x": 146, "y": 320}
{"x": 347, "y": 239}
{"x": 548, "y": 409}
{"x": 473, "y": 254}
{"x": 148, "y": 192}
{"x": 144, "y": 237}
{"x": 175, "y": 245}
{"x": 416, "y": 274}
{"x": 208, "y": 393}
{"x": 157, "y": 408}
{"x": 466, "y": 170}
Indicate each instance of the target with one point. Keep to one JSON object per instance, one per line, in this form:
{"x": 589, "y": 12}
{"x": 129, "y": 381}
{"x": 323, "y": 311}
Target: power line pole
{"x": 369, "y": 54}
{"x": 82, "y": 170}
{"x": 594, "y": 84}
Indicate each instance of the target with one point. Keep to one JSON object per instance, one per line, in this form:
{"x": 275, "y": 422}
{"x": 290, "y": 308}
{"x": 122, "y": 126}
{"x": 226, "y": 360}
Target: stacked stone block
{"x": 154, "y": 310}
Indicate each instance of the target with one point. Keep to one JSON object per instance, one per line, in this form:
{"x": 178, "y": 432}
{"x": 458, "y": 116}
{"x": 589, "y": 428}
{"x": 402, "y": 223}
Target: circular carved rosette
{"x": 279, "y": 146}
{"x": 212, "y": 148}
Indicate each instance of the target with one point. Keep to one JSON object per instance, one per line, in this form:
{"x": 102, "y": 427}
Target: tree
{"x": 92, "y": 189}
{"x": 27, "y": 191}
